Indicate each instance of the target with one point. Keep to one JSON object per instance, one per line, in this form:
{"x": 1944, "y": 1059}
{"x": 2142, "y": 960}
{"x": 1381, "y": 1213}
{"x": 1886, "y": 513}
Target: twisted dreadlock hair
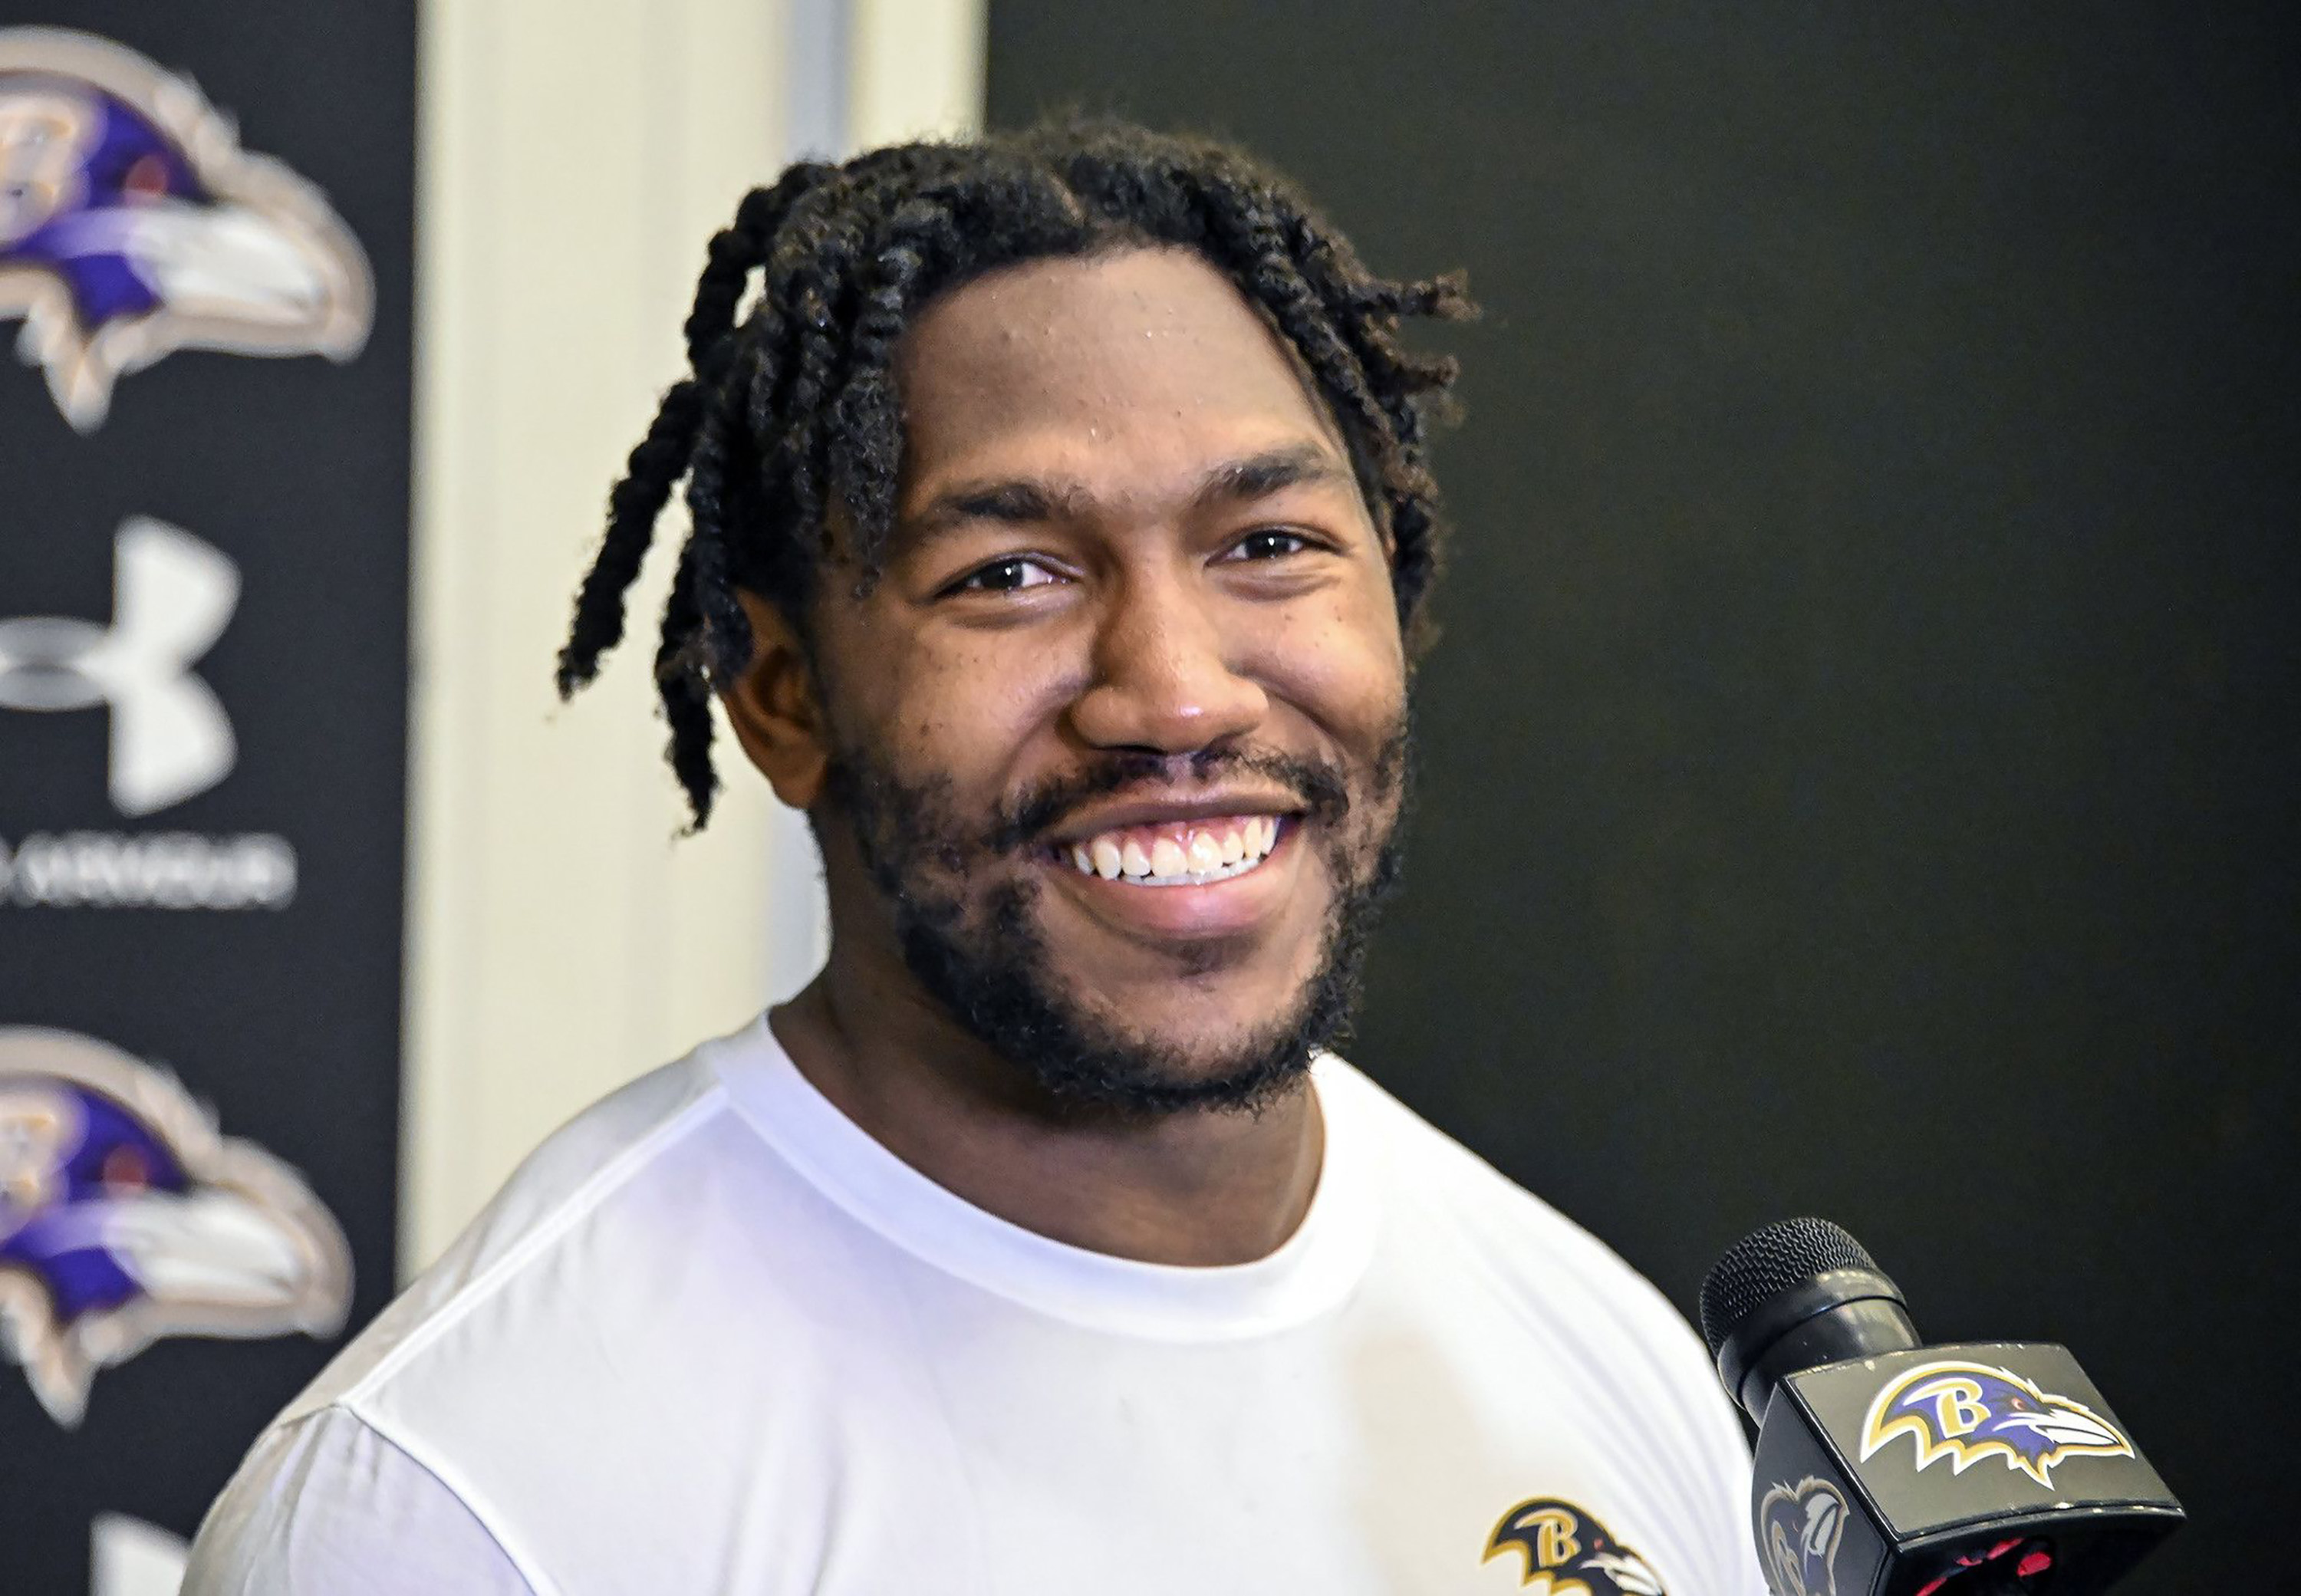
{"x": 793, "y": 411}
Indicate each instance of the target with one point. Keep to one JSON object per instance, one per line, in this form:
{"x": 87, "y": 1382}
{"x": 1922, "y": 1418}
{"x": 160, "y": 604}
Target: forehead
{"x": 1123, "y": 371}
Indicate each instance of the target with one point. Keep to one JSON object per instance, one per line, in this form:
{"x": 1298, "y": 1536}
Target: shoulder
{"x": 328, "y": 1503}
{"x": 655, "y": 1287}
{"x": 1458, "y": 1226}
{"x": 1522, "y": 1246}
{"x": 660, "y": 1212}
{"x": 597, "y": 1176}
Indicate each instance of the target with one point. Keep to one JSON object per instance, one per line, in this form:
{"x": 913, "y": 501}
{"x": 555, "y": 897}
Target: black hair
{"x": 792, "y": 410}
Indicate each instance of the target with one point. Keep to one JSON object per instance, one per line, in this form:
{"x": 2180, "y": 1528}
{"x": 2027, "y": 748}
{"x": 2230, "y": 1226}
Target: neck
{"x": 1198, "y": 1187}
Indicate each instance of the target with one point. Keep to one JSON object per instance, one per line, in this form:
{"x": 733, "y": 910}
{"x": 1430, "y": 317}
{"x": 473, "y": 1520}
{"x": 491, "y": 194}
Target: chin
{"x": 1195, "y": 1058}
{"x": 1242, "y": 1060}
{"x": 1224, "y": 1005}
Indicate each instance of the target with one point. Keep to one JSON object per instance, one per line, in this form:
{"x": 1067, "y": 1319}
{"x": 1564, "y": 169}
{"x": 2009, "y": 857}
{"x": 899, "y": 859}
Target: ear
{"x": 775, "y": 709}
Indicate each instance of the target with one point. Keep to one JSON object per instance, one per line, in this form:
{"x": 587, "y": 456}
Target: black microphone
{"x": 1889, "y": 1468}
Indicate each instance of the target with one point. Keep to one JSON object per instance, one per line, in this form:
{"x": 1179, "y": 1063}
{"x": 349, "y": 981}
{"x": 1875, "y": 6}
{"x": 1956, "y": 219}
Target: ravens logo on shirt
{"x": 1570, "y": 1553}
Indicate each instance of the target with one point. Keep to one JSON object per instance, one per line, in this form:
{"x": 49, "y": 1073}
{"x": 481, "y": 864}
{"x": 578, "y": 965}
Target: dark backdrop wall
{"x": 1858, "y": 767}
{"x": 203, "y": 734}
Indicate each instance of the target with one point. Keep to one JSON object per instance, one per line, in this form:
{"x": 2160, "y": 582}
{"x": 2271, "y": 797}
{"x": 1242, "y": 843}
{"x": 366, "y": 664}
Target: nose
{"x": 1165, "y": 674}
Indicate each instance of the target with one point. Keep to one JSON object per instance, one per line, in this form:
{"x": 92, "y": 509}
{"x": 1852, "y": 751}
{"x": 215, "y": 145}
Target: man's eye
{"x": 1271, "y": 543}
{"x": 1004, "y": 576}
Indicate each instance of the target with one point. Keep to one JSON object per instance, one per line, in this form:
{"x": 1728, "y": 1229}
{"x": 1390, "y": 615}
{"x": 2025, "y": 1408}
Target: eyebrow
{"x": 1258, "y": 476}
{"x": 1024, "y": 501}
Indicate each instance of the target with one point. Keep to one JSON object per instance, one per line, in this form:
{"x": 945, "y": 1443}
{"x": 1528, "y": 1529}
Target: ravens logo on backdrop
{"x": 132, "y": 223}
{"x": 124, "y": 1217}
{"x": 1968, "y": 1411}
{"x": 1571, "y": 1553}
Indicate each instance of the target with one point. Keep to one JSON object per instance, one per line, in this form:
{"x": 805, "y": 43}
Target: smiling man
{"x": 1061, "y": 527}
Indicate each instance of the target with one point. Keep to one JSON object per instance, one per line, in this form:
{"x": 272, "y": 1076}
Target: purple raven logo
{"x": 133, "y": 224}
{"x": 1799, "y": 1528}
{"x": 124, "y": 1217}
{"x": 1969, "y": 1411}
{"x": 1571, "y": 1553}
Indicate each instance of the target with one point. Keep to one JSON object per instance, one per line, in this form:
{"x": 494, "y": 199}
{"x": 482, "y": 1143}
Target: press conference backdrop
{"x": 204, "y": 246}
{"x": 211, "y": 654}
{"x": 1858, "y": 774}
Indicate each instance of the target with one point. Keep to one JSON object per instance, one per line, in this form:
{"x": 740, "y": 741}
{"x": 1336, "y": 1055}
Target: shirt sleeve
{"x": 1739, "y": 1552}
{"x": 1726, "y": 1482}
{"x": 326, "y": 1506}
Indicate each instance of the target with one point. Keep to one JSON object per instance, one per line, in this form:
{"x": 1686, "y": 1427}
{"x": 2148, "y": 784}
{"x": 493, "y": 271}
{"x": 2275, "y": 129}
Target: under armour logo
{"x": 172, "y": 596}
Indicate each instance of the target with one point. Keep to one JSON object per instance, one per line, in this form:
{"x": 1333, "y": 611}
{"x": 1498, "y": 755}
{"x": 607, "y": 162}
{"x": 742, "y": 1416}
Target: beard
{"x": 987, "y": 962}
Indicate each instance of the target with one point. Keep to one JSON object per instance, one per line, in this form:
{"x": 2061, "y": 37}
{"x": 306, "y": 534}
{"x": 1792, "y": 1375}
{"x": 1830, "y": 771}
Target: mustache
{"x": 1318, "y": 785}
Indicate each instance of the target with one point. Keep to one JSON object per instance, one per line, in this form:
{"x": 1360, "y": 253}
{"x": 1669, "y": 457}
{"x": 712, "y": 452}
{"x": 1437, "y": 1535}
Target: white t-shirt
{"x": 713, "y": 1337}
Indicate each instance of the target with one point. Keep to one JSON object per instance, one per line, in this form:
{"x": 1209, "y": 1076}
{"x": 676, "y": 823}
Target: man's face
{"x": 1119, "y": 738}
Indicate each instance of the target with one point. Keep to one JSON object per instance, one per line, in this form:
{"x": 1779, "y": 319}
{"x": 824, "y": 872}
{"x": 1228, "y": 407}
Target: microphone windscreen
{"x": 1769, "y": 1260}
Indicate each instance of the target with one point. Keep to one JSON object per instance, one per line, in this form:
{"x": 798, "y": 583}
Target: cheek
{"x": 1342, "y": 662}
{"x": 967, "y": 706}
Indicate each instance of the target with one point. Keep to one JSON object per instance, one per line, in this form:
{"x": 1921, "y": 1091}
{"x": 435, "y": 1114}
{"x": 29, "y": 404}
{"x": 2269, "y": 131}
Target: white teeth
{"x": 1206, "y": 856}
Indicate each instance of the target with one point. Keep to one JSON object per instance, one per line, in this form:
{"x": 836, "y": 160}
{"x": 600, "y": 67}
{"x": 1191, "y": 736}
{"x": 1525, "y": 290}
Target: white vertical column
{"x": 560, "y": 940}
{"x": 915, "y": 70}
{"x": 573, "y": 165}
